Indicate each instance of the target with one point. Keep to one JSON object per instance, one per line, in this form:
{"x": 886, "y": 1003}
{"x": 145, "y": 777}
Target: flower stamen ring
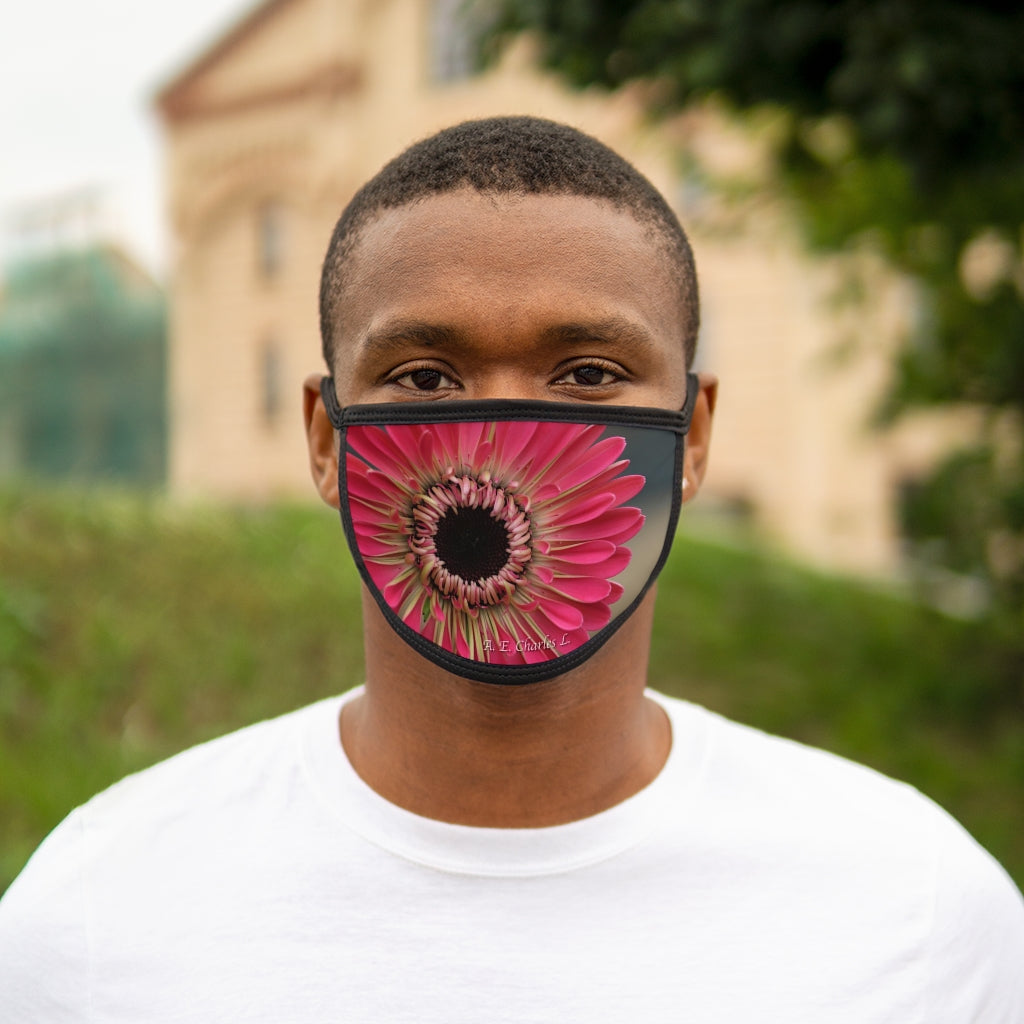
{"x": 471, "y": 538}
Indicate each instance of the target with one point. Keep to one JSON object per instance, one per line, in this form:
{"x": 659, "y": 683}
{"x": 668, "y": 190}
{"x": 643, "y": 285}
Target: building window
{"x": 271, "y": 389}
{"x": 270, "y": 239}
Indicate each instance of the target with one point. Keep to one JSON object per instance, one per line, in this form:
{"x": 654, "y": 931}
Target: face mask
{"x": 506, "y": 541}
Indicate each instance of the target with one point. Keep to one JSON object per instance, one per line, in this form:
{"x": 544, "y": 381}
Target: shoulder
{"x": 873, "y": 851}
{"x": 220, "y": 771}
{"x": 773, "y": 775}
{"x": 128, "y": 839}
{"x": 976, "y": 949}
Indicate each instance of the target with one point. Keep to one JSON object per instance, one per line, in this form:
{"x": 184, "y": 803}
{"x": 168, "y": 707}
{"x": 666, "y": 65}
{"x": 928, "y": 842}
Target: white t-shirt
{"x": 257, "y": 878}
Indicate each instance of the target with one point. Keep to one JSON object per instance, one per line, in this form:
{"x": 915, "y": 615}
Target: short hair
{"x": 508, "y": 156}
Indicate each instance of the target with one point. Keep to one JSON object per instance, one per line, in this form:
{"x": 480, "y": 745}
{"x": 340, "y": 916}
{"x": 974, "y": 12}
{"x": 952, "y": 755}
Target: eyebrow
{"x": 614, "y": 330}
{"x": 399, "y": 332}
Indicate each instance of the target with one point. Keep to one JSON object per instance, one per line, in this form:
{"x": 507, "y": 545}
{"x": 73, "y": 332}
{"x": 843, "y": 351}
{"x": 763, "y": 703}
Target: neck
{"x": 506, "y": 756}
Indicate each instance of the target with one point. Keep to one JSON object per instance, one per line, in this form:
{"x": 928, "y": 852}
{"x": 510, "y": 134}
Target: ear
{"x": 698, "y": 440}
{"x": 321, "y": 440}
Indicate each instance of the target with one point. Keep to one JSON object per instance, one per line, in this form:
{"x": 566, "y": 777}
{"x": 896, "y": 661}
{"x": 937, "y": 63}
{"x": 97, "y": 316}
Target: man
{"x": 503, "y": 824}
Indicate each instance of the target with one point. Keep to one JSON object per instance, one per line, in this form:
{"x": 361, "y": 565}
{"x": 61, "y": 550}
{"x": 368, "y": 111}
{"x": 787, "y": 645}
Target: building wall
{"x": 289, "y": 115}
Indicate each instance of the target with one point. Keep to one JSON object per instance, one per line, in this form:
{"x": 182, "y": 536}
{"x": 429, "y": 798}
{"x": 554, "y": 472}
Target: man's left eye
{"x": 589, "y": 375}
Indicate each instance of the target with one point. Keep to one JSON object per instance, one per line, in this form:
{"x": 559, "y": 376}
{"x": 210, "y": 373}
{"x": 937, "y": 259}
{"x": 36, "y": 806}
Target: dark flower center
{"x": 472, "y": 543}
{"x": 471, "y": 539}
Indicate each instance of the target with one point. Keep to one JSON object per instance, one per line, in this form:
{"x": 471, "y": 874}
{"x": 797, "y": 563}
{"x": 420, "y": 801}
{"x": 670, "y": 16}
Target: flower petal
{"x": 612, "y": 524}
{"x": 567, "y": 564}
{"x": 587, "y": 589}
{"x": 580, "y": 511}
{"x": 511, "y": 438}
{"x": 599, "y": 457}
{"x": 588, "y": 553}
{"x": 560, "y": 614}
{"x": 378, "y": 448}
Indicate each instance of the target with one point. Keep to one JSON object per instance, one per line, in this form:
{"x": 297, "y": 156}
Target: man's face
{"x": 467, "y": 296}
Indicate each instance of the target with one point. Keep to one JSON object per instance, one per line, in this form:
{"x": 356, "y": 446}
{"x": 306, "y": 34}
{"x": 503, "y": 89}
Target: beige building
{"x": 271, "y": 130}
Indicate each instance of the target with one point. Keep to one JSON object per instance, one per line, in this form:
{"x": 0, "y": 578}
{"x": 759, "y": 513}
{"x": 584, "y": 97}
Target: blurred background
{"x": 852, "y": 178}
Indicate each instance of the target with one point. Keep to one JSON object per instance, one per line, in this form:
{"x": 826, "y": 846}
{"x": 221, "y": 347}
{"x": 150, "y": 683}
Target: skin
{"x": 469, "y": 296}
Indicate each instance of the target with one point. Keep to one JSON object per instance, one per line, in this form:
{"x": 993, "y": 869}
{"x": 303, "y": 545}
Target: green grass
{"x": 131, "y": 628}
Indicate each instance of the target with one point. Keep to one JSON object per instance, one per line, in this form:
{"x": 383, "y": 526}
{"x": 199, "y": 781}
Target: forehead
{"x": 526, "y": 257}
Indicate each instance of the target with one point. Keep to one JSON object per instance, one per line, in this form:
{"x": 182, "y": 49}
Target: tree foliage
{"x": 903, "y": 122}
{"x": 82, "y": 370}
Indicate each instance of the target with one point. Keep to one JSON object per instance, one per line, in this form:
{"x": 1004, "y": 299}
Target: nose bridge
{"x": 506, "y": 377}
{"x": 503, "y": 357}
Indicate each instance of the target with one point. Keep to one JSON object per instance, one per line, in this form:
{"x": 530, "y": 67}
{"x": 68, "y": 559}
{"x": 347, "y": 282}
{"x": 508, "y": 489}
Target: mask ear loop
{"x": 692, "y": 391}
{"x": 330, "y": 399}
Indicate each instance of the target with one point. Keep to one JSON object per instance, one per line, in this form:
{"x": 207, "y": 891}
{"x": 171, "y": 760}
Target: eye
{"x": 424, "y": 378}
{"x": 591, "y": 375}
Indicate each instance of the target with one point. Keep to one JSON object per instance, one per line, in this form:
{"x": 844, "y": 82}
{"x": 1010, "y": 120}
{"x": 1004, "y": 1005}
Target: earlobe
{"x": 321, "y": 441}
{"x": 698, "y": 440}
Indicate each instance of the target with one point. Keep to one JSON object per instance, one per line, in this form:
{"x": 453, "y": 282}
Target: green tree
{"x": 901, "y": 122}
{"x": 82, "y": 369}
